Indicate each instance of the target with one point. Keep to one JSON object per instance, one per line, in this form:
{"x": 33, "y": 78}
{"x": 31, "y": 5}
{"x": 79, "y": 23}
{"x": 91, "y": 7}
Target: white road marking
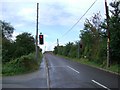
{"x": 100, "y": 85}
{"x": 73, "y": 69}
{"x": 56, "y": 66}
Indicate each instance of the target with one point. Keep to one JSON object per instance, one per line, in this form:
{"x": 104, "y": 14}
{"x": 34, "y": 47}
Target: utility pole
{"x": 108, "y": 35}
{"x": 36, "y": 57}
{"x": 57, "y": 42}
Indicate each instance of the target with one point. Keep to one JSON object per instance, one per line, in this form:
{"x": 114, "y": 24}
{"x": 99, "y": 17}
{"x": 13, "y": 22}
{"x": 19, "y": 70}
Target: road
{"x": 62, "y": 73}
{"x": 67, "y": 74}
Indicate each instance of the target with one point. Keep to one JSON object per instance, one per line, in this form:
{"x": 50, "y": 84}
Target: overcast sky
{"x": 56, "y": 17}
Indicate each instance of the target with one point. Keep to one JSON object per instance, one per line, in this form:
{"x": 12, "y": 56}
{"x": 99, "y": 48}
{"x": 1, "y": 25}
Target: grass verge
{"x": 115, "y": 68}
{"x": 22, "y": 65}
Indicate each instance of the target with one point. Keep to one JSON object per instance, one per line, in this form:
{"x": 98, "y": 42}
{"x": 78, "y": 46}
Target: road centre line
{"x": 100, "y": 85}
{"x": 73, "y": 69}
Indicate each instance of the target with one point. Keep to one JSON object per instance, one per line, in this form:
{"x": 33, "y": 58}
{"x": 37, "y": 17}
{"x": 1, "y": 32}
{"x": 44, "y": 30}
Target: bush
{"x": 24, "y": 64}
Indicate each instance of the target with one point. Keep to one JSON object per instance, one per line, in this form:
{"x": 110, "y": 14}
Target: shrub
{"x": 24, "y": 64}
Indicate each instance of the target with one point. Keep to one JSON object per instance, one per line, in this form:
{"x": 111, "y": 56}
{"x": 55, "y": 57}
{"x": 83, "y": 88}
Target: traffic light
{"x": 41, "y": 39}
{"x": 80, "y": 45}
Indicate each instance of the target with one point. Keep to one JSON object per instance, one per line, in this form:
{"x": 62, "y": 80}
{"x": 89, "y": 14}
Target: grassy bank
{"x": 24, "y": 64}
{"x": 113, "y": 68}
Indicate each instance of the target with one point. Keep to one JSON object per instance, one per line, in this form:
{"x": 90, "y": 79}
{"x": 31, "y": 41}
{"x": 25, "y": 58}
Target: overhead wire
{"x": 76, "y": 22}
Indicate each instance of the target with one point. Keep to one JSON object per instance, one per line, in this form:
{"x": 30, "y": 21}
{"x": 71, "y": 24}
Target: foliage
{"x": 24, "y": 44}
{"x": 24, "y": 64}
{"x": 7, "y": 50}
{"x": 7, "y": 29}
{"x": 68, "y": 50}
{"x": 115, "y": 68}
{"x": 16, "y": 57}
{"x": 93, "y": 42}
{"x": 7, "y": 46}
{"x": 115, "y": 31}
{"x": 94, "y": 39}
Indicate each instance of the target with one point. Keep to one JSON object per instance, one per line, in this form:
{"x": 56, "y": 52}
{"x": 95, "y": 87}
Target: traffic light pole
{"x": 108, "y": 35}
{"x": 36, "y": 57}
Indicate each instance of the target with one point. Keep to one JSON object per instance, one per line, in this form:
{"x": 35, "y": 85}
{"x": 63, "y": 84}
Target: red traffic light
{"x": 41, "y": 36}
{"x": 41, "y": 41}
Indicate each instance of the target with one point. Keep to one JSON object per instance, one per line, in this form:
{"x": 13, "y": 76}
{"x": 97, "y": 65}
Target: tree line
{"x": 93, "y": 39}
{"x": 24, "y": 43}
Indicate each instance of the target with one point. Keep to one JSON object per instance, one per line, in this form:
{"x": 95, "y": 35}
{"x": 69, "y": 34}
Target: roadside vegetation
{"x": 18, "y": 56}
{"x": 114, "y": 68}
{"x": 21, "y": 65}
{"x": 92, "y": 47}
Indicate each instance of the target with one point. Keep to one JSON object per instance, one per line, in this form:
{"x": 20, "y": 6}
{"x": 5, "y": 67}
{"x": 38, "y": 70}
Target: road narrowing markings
{"x": 73, "y": 69}
{"x": 100, "y": 85}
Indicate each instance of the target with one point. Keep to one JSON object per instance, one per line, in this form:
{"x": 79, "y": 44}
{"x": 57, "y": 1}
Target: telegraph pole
{"x": 108, "y": 35}
{"x": 36, "y": 57}
{"x": 57, "y": 42}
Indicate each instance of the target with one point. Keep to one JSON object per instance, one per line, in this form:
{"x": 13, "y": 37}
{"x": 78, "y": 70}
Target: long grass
{"x": 24, "y": 64}
{"x": 115, "y": 68}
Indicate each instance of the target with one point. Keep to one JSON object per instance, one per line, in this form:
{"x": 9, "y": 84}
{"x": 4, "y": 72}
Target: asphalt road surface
{"x": 57, "y": 72}
{"x": 67, "y": 74}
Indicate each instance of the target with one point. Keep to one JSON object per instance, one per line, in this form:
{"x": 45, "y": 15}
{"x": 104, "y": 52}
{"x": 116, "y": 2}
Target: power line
{"x": 76, "y": 22}
{"x": 79, "y": 19}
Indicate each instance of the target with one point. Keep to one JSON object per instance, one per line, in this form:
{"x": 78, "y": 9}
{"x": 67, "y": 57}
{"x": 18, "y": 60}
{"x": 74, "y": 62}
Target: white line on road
{"x": 56, "y": 66}
{"x": 100, "y": 85}
{"x": 73, "y": 69}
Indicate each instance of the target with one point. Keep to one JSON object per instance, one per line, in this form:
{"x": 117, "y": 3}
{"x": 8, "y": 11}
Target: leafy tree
{"x": 73, "y": 51}
{"x": 7, "y": 29}
{"x": 55, "y": 50}
{"x": 60, "y": 50}
{"x": 67, "y": 49}
{"x": 115, "y": 31}
{"x": 24, "y": 44}
{"x": 92, "y": 38}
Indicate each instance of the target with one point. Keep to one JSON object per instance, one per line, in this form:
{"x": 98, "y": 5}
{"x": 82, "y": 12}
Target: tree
{"x": 7, "y": 50}
{"x": 67, "y": 48}
{"x": 60, "y": 49}
{"x": 93, "y": 40}
{"x": 55, "y": 50}
{"x": 7, "y": 29}
{"x": 73, "y": 51}
{"x": 115, "y": 31}
{"x": 25, "y": 44}
{"x": 70, "y": 50}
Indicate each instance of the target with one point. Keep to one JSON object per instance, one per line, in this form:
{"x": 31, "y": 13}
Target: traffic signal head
{"x": 80, "y": 45}
{"x": 41, "y": 40}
